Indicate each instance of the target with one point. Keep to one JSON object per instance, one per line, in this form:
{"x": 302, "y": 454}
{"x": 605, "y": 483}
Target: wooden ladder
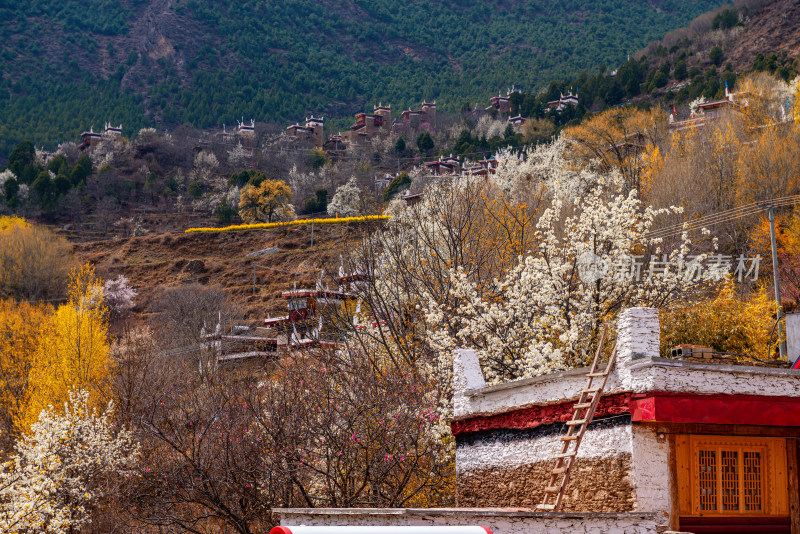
{"x": 582, "y": 416}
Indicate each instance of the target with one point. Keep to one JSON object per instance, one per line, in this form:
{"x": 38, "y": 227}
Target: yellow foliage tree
{"x": 763, "y": 98}
{"x": 19, "y": 335}
{"x": 271, "y": 200}
{"x": 652, "y": 162}
{"x": 72, "y": 350}
{"x": 768, "y": 167}
{"x": 725, "y": 323}
{"x": 7, "y": 223}
{"x": 796, "y": 110}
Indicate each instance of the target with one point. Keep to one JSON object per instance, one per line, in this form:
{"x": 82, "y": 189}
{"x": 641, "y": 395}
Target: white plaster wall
{"x": 497, "y": 521}
{"x": 553, "y": 388}
{"x": 601, "y": 442}
{"x": 658, "y": 374}
{"x": 638, "y": 334}
{"x": 467, "y": 376}
{"x": 640, "y": 376}
{"x": 650, "y": 470}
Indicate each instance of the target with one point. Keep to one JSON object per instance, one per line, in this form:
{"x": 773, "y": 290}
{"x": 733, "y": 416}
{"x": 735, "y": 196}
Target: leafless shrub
{"x": 35, "y": 263}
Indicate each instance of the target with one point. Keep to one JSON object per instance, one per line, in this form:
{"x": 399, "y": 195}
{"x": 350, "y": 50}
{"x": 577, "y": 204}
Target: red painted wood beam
{"x": 716, "y": 409}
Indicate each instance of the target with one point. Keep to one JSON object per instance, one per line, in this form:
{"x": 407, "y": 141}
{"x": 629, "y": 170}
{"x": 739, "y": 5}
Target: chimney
{"x": 467, "y": 376}
{"x": 638, "y": 333}
{"x": 638, "y": 338}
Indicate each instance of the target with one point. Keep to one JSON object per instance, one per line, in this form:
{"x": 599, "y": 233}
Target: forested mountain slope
{"x": 67, "y": 64}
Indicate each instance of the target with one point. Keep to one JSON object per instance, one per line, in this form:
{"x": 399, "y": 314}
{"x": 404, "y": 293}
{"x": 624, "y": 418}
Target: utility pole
{"x": 776, "y": 281}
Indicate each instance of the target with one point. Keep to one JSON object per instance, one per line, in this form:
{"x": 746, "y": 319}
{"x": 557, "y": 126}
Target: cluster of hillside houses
{"x": 379, "y": 123}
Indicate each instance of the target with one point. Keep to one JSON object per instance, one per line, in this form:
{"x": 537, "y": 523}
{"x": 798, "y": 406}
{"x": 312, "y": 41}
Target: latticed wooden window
{"x": 753, "y": 486}
{"x": 707, "y": 483}
{"x": 731, "y": 476}
{"x": 730, "y": 479}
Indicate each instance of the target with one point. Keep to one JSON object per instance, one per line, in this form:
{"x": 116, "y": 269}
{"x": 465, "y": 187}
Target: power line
{"x": 724, "y": 216}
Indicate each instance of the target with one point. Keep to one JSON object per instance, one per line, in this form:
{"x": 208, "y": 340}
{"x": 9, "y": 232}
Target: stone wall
{"x": 511, "y": 467}
{"x": 498, "y": 521}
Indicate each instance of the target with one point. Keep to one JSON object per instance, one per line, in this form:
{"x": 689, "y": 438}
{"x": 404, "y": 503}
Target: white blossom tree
{"x": 346, "y": 202}
{"x": 237, "y": 156}
{"x": 57, "y": 474}
{"x": 546, "y": 312}
{"x": 118, "y": 295}
{"x": 526, "y": 267}
{"x": 5, "y": 176}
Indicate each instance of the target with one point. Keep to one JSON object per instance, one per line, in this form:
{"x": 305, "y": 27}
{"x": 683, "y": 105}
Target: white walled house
{"x": 675, "y": 445}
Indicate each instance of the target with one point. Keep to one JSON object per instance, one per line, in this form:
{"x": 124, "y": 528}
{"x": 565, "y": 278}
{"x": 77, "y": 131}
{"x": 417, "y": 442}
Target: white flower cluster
{"x": 238, "y": 156}
{"x": 5, "y": 176}
{"x": 346, "y": 202}
{"x": 54, "y": 479}
{"x": 543, "y": 166}
{"x": 542, "y": 315}
{"x": 119, "y": 295}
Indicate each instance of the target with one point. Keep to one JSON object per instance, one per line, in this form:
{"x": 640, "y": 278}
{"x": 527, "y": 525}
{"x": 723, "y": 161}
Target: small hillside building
{"x": 502, "y": 104}
{"x": 517, "y": 121}
{"x": 89, "y": 139}
{"x": 564, "y": 101}
{"x": 423, "y": 118}
{"x": 311, "y": 133}
{"x": 443, "y": 166}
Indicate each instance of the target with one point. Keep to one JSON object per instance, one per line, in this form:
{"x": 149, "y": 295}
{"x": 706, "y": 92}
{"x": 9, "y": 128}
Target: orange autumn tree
{"x": 769, "y": 165}
{"x": 73, "y": 349}
{"x": 34, "y": 262}
{"x": 268, "y": 201}
{"x": 787, "y": 240}
{"x": 616, "y": 138}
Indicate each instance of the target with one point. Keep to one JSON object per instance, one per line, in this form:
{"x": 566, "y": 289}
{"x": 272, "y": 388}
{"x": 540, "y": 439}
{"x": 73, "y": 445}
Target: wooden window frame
{"x": 774, "y": 499}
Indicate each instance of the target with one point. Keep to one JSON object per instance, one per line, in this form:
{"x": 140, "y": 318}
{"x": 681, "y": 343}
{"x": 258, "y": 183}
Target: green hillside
{"x": 67, "y": 65}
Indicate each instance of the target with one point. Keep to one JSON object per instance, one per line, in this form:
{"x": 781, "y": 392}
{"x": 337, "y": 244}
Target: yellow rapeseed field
{"x": 261, "y": 226}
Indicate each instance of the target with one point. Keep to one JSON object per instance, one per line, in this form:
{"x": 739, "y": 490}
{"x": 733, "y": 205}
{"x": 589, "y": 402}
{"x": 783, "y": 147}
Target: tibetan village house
{"x": 693, "y": 443}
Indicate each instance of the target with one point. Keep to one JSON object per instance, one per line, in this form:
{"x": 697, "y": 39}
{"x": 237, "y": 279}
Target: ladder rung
{"x": 583, "y": 405}
{"x": 560, "y": 470}
{"x": 576, "y": 422}
{"x": 593, "y": 390}
{"x": 552, "y": 489}
{"x": 566, "y": 454}
{"x": 546, "y": 507}
{"x": 595, "y": 375}
{"x": 569, "y": 438}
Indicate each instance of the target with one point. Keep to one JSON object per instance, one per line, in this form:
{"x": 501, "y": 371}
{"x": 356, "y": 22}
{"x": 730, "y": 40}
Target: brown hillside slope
{"x": 773, "y": 28}
{"x": 153, "y": 263}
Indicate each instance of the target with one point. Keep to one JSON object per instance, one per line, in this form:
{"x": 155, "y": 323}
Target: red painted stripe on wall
{"x": 534, "y": 416}
{"x": 652, "y": 407}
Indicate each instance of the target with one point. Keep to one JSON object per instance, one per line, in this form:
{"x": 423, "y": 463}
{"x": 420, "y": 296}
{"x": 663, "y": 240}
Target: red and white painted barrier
{"x": 380, "y": 530}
